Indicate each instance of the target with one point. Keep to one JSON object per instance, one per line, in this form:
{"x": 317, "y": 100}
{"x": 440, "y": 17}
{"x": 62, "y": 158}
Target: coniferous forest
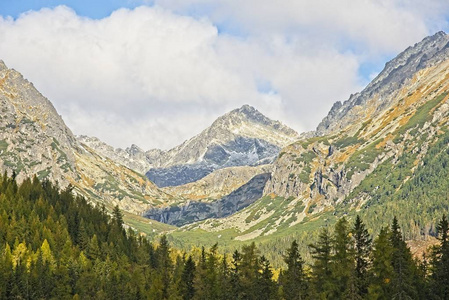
{"x": 55, "y": 245}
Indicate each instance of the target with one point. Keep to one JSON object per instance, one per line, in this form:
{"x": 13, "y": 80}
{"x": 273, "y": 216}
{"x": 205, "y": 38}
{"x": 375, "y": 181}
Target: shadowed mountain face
{"x": 241, "y": 151}
{"x": 197, "y": 211}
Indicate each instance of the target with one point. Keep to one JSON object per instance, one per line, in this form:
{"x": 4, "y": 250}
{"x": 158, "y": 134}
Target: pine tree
{"x": 165, "y": 265}
{"x": 266, "y": 288}
{"x": 82, "y": 238}
{"x": 382, "y": 270}
{"x": 322, "y": 273}
{"x": 93, "y": 249}
{"x": 224, "y": 279}
{"x": 440, "y": 262}
{"x": 187, "y": 279}
{"x": 236, "y": 275}
{"x": 343, "y": 258}
{"x": 249, "y": 267}
{"x": 362, "y": 250}
{"x": 403, "y": 282}
{"x": 117, "y": 216}
{"x": 293, "y": 280}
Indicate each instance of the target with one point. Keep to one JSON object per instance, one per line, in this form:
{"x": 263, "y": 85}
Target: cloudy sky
{"x": 155, "y": 73}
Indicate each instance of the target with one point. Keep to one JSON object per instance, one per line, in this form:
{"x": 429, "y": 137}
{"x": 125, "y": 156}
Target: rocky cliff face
{"x": 33, "y": 137}
{"x": 370, "y": 128}
{"x": 217, "y": 184}
{"x": 35, "y": 141}
{"x": 194, "y": 211}
{"x": 384, "y": 89}
{"x": 242, "y": 137}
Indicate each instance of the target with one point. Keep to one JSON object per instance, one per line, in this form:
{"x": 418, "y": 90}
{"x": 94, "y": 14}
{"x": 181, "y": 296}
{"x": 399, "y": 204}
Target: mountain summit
{"x": 241, "y": 137}
{"x": 34, "y": 140}
{"x": 397, "y": 73}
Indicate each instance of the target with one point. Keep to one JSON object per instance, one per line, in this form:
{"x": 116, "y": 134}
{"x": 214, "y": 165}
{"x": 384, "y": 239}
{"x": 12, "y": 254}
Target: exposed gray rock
{"x": 397, "y": 72}
{"x": 196, "y": 211}
{"x": 33, "y": 137}
{"x": 242, "y": 137}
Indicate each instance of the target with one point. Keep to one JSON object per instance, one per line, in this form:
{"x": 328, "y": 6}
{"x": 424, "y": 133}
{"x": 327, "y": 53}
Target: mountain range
{"x": 382, "y": 152}
{"x": 242, "y": 137}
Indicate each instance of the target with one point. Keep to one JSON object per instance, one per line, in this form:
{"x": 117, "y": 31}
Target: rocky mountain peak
{"x": 247, "y": 120}
{"x": 32, "y": 132}
{"x": 249, "y": 112}
{"x": 246, "y": 112}
{"x": 134, "y": 150}
{"x": 431, "y": 51}
{"x": 2, "y": 65}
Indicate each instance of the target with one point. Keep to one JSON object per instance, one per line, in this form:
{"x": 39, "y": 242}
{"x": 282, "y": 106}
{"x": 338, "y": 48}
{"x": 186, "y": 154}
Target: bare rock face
{"x": 217, "y": 184}
{"x": 194, "y": 211}
{"x": 382, "y": 90}
{"x": 365, "y": 131}
{"x": 33, "y": 137}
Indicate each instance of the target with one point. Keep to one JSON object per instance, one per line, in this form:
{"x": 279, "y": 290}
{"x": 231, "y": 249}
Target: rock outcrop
{"x": 194, "y": 211}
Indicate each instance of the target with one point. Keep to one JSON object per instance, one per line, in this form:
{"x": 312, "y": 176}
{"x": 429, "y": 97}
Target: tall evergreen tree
{"x": 440, "y": 262}
{"x": 343, "y": 258}
{"x": 224, "y": 279}
{"x": 249, "y": 268}
{"x": 165, "y": 265}
{"x": 362, "y": 250}
{"x": 266, "y": 287}
{"x": 322, "y": 274}
{"x": 187, "y": 279}
{"x": 236, "y": 275}
{"x": 382, "y": 270}
{"x": 117, "y": 216}
{"x": 293, "y": 280}
{"x": 403, "y": 282}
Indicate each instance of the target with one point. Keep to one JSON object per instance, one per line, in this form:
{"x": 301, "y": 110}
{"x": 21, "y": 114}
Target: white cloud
{"x": 155, "y": 78}
{"x": 381, "y": 25}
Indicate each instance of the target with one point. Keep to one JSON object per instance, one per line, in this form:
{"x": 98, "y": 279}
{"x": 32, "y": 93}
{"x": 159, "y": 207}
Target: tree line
{"x": 55, "y": 245}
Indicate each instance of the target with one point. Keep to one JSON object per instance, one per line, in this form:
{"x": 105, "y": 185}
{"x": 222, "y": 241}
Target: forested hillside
{"x": 56, "y": 245}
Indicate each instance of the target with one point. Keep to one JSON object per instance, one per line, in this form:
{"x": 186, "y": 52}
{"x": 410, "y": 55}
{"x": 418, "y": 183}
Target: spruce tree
{"x": 165, "y": 265}
{"x": 440, "y": 262}
{"x": 362, "y": 250}
{"x": 322, "y": 274}
{"x": 117, "y": 216}
{"x": 187, "y": 279}
{"x": 266, "y": 287}
{"x": 236, "y": 276}
{"x": 293, "y": 280}
{"x": 382, "y": 271}
{"x": 403, "y": 282}
{"x": 343, "y": 258}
